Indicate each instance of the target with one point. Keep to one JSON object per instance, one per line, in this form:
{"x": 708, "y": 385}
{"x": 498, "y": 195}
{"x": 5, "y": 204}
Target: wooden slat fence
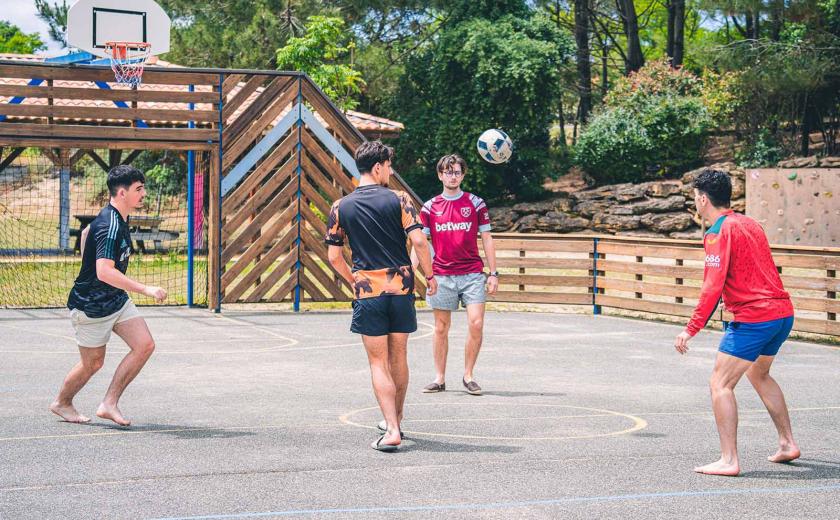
{"x": 656, "y": 276}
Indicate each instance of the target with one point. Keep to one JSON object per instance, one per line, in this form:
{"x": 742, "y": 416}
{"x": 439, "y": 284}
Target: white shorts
{"x": 95, "y": 332}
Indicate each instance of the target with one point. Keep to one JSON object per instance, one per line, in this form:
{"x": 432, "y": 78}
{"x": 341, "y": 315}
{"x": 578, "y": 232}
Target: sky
{"x": 23, "y": 14}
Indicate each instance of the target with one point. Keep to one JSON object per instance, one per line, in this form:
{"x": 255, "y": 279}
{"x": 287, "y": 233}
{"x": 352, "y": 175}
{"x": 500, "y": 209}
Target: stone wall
{"x": 656, "y": 209}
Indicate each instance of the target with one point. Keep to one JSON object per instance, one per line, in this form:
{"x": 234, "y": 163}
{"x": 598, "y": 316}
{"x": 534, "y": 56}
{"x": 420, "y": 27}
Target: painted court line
{"x": 520, "y": 504}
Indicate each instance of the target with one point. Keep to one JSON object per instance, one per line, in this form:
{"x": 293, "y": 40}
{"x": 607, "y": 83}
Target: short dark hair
{"x": 123, "y": 176}
{"x": 370, "y": 153}
{"x": 716, "y": 185}
{"x": 447, "y": 161}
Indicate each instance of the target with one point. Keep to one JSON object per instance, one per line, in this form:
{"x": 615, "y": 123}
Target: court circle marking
{"x": 638, "y": 422}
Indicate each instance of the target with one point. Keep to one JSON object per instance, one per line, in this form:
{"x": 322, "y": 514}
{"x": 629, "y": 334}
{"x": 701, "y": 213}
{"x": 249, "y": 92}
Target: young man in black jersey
{"x": 379, "y": 222}
{"x": 99, "y": 303}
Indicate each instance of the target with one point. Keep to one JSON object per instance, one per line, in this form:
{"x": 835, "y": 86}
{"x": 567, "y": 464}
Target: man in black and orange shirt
{"x": 377, "y": 222}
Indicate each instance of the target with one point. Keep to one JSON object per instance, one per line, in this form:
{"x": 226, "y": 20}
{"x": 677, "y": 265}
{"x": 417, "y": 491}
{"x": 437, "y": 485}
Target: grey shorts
{"x": 464, "y": 288}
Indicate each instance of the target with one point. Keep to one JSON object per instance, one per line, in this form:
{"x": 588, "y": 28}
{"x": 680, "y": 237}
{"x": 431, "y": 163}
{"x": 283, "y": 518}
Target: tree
{"x": 55, "y": 16}
{"x": 634, "y": 60}
{"x": 481, "y": 73}
{"x": 582, "y": 16}
{"x": 13, "y": 40}
{"x": 676, "y": 31}
{"x": 319, "y": 54}
{"x": 234, "y": 33}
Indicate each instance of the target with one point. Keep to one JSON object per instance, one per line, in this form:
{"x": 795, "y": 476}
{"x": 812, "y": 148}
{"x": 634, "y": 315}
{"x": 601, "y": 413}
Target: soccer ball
{"x": 494, "y": 146}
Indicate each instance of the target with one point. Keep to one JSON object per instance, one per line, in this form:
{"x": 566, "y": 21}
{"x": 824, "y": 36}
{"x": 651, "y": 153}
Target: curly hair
{"x": 716, "y": 185}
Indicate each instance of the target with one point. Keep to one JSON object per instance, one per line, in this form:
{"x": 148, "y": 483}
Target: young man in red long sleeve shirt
{"x": 740, "y": 267}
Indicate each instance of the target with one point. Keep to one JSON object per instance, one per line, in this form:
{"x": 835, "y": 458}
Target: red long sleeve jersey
{"x": 740, "y": 267}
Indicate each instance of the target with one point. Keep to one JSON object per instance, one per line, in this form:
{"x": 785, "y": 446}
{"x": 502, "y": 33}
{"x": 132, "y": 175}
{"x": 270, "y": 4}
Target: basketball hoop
{"x": 128, "y": 60}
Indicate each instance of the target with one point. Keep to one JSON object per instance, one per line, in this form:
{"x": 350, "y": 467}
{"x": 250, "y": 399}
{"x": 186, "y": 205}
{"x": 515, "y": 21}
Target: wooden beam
{"x": 150, "y": 77}
{"x": 98, "y": 143}
{"x": 117, "y": 94}
{"x": 110, "y": 114}
{"x": 105, "y": 133}
{"x": 11, "y": 157}
{"x": 133, "y": 155}
{"x": 98, "y": 160}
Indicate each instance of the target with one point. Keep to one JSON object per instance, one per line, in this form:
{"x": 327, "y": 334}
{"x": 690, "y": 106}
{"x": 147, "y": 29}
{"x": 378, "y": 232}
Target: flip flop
{"x": 387, "y": 448}
{"x": 383, "y": 427}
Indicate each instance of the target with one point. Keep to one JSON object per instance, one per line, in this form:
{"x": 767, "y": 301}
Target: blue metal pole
{"x": 299, "y": 176}
{"x": 190, "y": 216}
{"x": 596, "y": 309}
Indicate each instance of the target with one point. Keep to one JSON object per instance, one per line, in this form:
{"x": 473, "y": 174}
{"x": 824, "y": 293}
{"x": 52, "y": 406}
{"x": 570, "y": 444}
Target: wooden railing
{"x": 655, "y": 276}
{"x": 62, "y": 107}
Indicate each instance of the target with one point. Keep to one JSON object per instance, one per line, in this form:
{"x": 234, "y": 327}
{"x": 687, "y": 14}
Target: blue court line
{"x": 506, "y": 505}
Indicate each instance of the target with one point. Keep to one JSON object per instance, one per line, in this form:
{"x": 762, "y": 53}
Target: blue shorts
{"x": 382, "y": 315}
{"x": 750, "y": 340}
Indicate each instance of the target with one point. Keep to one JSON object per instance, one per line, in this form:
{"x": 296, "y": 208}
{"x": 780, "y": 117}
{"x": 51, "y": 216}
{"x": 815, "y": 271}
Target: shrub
{"x": 653, "y": 123}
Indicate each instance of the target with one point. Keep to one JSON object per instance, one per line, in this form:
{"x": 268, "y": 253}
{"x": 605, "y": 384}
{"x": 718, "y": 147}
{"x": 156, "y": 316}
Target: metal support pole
{"x": 64, "y": 216}
{"x": 190, "y": 215}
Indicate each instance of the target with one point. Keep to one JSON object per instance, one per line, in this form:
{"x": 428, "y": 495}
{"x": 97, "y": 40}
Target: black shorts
{"x": 382, "y": 315}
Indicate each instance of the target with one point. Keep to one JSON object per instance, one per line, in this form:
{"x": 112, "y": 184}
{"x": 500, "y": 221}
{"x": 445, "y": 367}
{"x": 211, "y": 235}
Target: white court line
{"x": 329, "y": 425}
{"x": 274, "y": 348}
{"x": 402, "y": 467}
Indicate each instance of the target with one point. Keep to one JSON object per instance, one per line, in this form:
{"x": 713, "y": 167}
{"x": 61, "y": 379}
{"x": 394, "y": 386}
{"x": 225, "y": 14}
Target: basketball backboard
{"x": 92, "y": 23}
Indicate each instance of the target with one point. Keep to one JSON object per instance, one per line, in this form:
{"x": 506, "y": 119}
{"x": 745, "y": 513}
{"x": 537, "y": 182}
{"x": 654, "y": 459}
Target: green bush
{"x": 615, "y": 147}
{"x": 654, "y": 123}
{"x": 762, "y": 152}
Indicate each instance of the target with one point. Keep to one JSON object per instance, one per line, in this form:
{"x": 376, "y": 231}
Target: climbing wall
{"x": 796, "y": 206}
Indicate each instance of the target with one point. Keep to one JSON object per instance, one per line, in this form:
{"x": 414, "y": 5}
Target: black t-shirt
{"x": 108, "y": 237}
{"x": 376, "y": 220}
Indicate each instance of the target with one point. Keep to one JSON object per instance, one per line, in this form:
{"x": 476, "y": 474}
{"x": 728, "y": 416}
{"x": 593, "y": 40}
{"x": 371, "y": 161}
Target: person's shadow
{"x": 800, "y": 469}
{"x": 421, "y": 444}
{"x": 501, "y": 393}
{"x": 177, "y": 431}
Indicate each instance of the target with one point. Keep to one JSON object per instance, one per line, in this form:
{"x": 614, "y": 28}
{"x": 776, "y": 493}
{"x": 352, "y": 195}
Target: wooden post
{"x": 639, "y": 259}
{"x": 680, "y": 281}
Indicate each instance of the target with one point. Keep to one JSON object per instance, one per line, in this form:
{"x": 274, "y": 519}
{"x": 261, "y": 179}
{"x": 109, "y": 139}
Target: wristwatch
{"x": 494, "y": 273}
{"x": 429, "y": 278}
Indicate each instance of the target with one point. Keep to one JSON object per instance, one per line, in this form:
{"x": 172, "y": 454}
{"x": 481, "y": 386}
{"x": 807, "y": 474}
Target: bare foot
{"x": 112, "y": 413}
{"x": 719, "y": 468}
{"x": 785, "y": 454}
{"x": 68, "y": 413}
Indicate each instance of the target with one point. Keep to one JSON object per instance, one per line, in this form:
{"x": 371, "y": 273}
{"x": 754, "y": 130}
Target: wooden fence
{"x": 656, "y": 276}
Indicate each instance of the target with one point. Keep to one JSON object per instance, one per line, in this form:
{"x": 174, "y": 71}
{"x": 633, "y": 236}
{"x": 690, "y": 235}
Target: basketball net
{"x": 128, "y": 60}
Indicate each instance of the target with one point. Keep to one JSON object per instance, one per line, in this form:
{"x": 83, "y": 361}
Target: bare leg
{"x": 475, "y": 317}
{"x": 774, "y": 400}
{"x": 443, "y": 319}
{"x": 397, "y": 358}
{"x": 92, "y": 360}
{"x": 136, "y": 334}
{"x": 383, "y": 385}
{"x": 728, "y": 371}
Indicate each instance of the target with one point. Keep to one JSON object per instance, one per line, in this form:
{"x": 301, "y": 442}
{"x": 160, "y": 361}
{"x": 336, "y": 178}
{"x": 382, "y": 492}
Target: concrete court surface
{"x": 269, "y": 415}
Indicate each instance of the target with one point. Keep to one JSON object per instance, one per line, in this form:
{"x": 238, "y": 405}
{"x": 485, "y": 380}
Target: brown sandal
{"x": 472, "y": 387}
{"x": 433, "y": 388}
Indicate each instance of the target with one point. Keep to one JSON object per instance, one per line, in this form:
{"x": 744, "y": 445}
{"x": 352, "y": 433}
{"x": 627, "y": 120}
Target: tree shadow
{"x": 808, "y": 469}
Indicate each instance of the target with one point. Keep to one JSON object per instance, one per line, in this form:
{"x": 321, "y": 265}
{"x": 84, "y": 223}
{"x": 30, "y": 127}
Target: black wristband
{"x": 429, "y": 278}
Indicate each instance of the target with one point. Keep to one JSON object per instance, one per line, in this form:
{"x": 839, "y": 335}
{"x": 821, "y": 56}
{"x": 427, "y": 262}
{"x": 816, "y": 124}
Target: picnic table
{"x": 143, "y": 229}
